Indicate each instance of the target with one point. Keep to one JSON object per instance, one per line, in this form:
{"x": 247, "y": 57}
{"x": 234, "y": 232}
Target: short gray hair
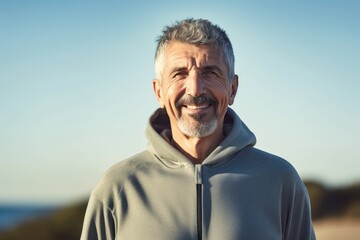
{"x": 196, "y": 32}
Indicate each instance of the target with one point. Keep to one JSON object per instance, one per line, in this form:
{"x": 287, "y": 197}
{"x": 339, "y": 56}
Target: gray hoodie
{"x": 238, "y": 192}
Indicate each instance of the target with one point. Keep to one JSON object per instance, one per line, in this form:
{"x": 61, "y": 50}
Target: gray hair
{"x": 196, "y": 32}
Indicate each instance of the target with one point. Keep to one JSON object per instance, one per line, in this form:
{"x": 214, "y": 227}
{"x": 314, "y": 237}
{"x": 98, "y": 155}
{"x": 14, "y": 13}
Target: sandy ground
{"x": 333, "y": 229}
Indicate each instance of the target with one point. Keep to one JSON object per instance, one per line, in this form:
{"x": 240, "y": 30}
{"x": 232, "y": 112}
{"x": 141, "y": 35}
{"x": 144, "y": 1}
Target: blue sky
{"x": 75, "y": 86}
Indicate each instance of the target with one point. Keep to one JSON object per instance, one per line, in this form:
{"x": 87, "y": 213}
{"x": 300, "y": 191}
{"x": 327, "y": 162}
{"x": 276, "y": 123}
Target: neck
{"x": 197, "y": 148}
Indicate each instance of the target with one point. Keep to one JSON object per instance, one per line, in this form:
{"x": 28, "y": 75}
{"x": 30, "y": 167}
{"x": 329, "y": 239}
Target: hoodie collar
{"x": 158, "y": 133}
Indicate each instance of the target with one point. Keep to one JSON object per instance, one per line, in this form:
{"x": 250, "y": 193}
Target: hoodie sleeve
{"x": 297, "y": 224}
{"x": 99, "y": 221}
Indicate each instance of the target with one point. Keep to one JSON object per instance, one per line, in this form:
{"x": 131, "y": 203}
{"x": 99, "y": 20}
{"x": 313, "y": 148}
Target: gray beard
{"x": 197, "y": 128}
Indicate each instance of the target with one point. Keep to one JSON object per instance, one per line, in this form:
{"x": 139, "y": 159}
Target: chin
{"x": 198, "y": 129}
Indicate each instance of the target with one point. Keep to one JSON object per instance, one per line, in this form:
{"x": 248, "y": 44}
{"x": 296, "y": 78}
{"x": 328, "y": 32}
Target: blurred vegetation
{"x": 327, "y": 202}
{"x": 63, "y": 224}
{"x": 66, "y": 223}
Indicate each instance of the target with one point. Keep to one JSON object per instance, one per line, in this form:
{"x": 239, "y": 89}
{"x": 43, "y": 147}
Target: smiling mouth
{"x": 195, "y": 107}
{"x": 195, "y": 104}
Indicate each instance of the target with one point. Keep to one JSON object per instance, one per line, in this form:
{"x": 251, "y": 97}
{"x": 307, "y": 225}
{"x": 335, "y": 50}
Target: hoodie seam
{"x": 127, "y": 178}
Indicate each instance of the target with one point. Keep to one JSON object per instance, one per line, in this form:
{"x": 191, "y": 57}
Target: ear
{"x": 233, "y": 89}
{"x": 158, "y": 92}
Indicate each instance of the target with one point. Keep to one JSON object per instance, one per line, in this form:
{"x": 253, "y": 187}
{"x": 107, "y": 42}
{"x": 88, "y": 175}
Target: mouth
{"x": 196, "y": 103}
{"x": 198, "y": 111}
{"x": 196, "y": 107}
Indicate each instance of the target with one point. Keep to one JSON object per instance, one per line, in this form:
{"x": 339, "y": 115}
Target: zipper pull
{"x": 198, "y": 174}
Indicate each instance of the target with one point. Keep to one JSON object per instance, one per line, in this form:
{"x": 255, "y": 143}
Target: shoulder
{"x": 266, "y": 159}
{"x": 127, "y": 166}
{"x": 272, "y": 165}
{"x": 113, "y": 179}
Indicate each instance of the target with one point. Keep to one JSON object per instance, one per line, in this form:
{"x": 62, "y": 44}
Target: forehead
{"x": 178, "y": 53}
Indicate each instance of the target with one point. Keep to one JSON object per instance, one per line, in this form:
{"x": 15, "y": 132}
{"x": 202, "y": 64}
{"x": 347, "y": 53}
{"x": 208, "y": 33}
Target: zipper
{"x": 199, "y": 201}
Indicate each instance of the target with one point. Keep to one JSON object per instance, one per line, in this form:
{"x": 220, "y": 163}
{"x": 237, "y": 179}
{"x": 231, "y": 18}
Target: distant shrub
{"x": 66, "y": 223}
{"x": 318, "y": 194}
{"x": 334, "y": 202}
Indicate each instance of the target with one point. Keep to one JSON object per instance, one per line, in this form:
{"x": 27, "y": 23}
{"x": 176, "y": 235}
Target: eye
{"x": 210, "y": 72}
{"x": 180, "y": 74}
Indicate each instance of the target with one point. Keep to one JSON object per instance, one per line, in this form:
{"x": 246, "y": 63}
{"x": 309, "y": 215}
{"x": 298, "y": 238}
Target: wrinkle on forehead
{"x": 192, "y": 56}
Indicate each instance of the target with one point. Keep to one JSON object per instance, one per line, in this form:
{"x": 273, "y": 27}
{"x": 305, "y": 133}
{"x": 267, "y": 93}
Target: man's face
{"x": 195, "y": 88}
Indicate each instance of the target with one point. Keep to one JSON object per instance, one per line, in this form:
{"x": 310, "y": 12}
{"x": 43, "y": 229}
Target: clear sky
{"x": 75, "y": 86}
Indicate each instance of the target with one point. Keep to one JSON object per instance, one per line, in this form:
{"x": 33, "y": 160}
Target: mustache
{"x": 190, "y": 100}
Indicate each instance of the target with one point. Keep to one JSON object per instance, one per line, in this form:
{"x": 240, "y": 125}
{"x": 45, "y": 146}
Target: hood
{"x": 238, "y": 136}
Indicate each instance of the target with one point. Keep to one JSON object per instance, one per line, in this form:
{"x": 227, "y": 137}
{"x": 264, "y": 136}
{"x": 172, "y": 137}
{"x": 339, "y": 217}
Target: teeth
{"x": 196, "y": 107}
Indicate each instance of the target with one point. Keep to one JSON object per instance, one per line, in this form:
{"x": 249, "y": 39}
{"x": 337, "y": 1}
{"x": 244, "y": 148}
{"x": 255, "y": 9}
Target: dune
{"x": 336, "y": 229}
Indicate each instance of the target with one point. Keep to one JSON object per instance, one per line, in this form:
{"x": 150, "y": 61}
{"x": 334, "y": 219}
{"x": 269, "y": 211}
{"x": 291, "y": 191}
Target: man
{"x": 201, "y": 177}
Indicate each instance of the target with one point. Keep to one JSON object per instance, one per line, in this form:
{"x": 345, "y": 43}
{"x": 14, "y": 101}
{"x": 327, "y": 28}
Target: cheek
{"x": 173, "y": 93}
{"x": 223, "y": 98}
{"x": 221, "y": 93}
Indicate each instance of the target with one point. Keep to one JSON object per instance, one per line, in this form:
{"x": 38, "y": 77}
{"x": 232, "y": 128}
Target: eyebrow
{"x": 178, "y": 69}
{"x": 212, "y": 67}
{"x": 209, "y": 67}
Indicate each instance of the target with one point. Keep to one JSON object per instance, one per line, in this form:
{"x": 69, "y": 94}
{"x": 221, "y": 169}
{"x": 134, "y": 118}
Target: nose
{"x": 195, "y": 84}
